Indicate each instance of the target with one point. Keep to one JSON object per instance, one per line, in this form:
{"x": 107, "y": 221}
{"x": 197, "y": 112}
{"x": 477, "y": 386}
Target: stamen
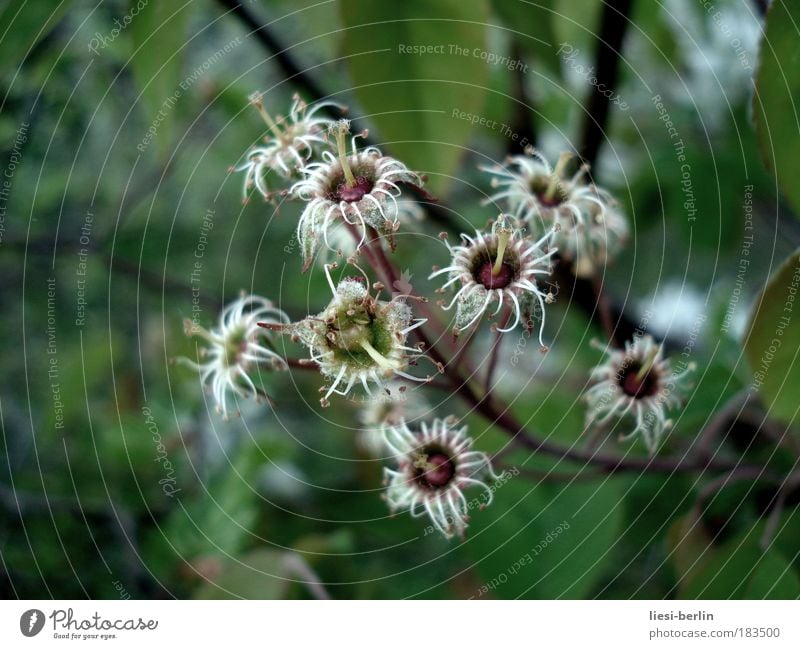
{"x": 255, "y": 99}
{"x": 557, "y": 175}
{"x": 341, "y": 129}
{"x": 503, "y": 234}
{"x": 376, "y": 356}
{"x": 190, "y": 328}
{"x": 647, "y": 365}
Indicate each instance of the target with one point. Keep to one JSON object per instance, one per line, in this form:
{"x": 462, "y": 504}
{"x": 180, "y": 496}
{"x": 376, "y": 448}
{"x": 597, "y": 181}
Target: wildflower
{"x": 235, "y": 347}
{"x": 290, "y": 143}
{"x": 640, "y": 382}
{"x": 591, "y": 227}
{"x": 435, "y": 466}
{"x": 359, "y": 190}
{"x": 358, "y": 338}
{"x": 389, "y": 408}
{"x": 498, "y": 267}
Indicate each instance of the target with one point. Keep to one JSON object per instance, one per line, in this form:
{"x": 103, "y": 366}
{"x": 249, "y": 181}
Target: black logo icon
{"x": 31, "y": 622}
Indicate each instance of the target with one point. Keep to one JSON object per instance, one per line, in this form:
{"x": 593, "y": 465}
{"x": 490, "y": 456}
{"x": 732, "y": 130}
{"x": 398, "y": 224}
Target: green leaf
{"x": 219, "y": 520}
{"x": 158, "y": 37}
{"x": 773, "y": 579}
{"x": 545, "y": 541}
{"x": 740, "y": 570}
{"x": 421, "y": 104}
{"x": 772, "y": 343}
{"x": 775, "y": 103}
{"x": 22, "y": 26}
{"x": 689, "y": 546}
{"x": 531, "y": 25}
{"x": 260, "y": 574}
{"x": 577, "y": 22}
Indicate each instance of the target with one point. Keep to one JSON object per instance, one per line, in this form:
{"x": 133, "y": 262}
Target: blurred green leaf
{"x": 772, "y": 344}
{"x": 158, "y": 37}
{"x": 218, "y": 521}
{"x": 547, "y": 541}
{"x": 577, "y": 22}
{"x": 740, "y": 569}
{"x": 773, "y": 579}
{"x": 532, "y": 25}
{"x": 260, "y": 574}
{"x": 777, "y": 115}
{"x": 689, "y": 546}
{"x": 22, "y": 26}
{"x": 411, "y": 97}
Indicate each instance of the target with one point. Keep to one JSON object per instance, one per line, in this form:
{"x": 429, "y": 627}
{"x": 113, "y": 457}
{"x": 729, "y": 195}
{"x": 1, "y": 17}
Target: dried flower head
{"x": 435, "y": 466}
{"x": 359, "y": 190}
{"x": 591, "y": 243}
{"x": 591, "y": 227}
{"x": 358, "y": 338}
{"x": 637, "y": 382}
{"x": 236, "y": 346}
{"x": 498, "y": 267}
{"x": 290, "y": 143}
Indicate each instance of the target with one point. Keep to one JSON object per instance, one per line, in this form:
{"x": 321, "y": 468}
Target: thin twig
{"x": 602, "y": 306}
{"x": 310, "y": 578}
{"x": 280, "y": 53}
{"x": 494, "y": 354}
{"x": 543, "y": 475}
{"x": 721, "y": 423}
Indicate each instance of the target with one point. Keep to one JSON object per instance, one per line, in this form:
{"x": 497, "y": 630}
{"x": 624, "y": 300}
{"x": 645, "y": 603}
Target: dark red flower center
{"x": 504, "y": 276}
{"x": 348, "y": 194}
{"x": 635, "y": 386}
{"x": 435, "y": 471}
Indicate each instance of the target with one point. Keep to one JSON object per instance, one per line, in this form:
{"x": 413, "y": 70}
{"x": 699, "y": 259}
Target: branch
{"x": 522, "y": 122}
{"x": 290, "y": 69}
{"x": 614, "y": 24}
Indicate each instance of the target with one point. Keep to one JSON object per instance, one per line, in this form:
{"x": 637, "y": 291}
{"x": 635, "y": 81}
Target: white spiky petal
{"x": 445, "y": 503}
{"x": 607, "y": 400}
{"x": 235, "y": 347}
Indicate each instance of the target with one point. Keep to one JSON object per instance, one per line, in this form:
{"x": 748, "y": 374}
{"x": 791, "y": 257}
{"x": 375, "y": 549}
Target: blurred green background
{"x": 103, "y": 223}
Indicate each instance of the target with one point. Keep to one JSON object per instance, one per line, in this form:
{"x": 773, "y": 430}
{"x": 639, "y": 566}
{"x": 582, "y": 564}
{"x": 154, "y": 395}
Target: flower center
{"x": 548, "y": 190}
{"x": 636, "y": 384}
{"x": 491, "y": 280}
{"x": 434, "y": 470}
{"x": 353, "y": 193}
{"x": 234, "y": 346}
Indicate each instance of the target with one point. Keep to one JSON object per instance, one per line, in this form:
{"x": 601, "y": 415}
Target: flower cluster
{"x": 590, "y": 229}
{"x": 639, "y": 382}
{"x": 236, "y": 346}
{"x": 435, "y": 464}
{"x": 499, "y": 267}
{"x": 353, "y": 204}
